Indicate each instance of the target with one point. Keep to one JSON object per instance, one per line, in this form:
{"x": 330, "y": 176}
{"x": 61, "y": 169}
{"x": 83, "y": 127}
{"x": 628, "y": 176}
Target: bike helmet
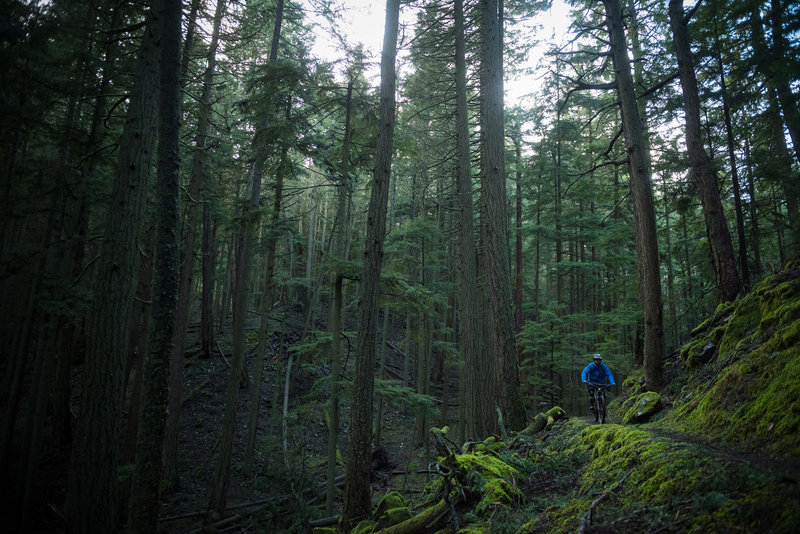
{"x": 597, "y": 357}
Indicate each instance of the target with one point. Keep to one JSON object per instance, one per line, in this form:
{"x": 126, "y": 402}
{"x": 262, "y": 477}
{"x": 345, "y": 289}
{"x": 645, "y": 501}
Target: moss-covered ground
{"x": 718, "y": 450}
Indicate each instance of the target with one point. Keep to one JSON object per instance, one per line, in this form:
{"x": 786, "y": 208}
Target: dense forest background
{"x": 188, "y": 183}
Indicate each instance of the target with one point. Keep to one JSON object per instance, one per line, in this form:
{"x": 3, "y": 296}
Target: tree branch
{"x": 586, "y": 520}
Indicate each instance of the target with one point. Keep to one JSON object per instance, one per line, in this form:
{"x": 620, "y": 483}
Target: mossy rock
{"x": 702, "y": 350}
{"x": 642, "y": 407}
{"x": 721, "y": 314}
{"x": 634, "y": 383}
{"x": 324, "y": 530}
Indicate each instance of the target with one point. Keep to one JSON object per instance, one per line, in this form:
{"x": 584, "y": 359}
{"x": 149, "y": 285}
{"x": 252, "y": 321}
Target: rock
{"x": 642, "y": 407}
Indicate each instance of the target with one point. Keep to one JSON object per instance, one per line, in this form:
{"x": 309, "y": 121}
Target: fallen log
{"x": 429, "y": 520}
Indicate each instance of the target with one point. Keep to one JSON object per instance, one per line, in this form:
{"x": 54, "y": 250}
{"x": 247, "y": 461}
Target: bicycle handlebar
{"x": 599, "y": 385}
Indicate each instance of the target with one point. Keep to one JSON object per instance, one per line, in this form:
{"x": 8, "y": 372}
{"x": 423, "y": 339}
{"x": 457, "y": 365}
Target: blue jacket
{"x": 597, "y": 374}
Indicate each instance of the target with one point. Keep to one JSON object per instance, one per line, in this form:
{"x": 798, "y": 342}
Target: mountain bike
{"x": 599, "y": 401}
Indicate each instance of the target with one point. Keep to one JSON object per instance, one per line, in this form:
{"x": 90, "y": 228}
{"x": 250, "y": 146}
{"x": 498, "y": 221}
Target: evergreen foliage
{"x": 76, "y": 303}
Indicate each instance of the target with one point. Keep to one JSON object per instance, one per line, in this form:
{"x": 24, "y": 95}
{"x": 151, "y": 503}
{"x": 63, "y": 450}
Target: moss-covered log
{"x": 429, "y": 520}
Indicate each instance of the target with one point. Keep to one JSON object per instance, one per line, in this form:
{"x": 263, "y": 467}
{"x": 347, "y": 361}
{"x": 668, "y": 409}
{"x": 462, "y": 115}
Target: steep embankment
{"x": 717, "y": 451}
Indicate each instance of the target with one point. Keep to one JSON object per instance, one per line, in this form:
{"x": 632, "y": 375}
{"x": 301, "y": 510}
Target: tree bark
{"x": 357, "y": 495}
{"x": 187, "y": 257}
{"x": 145, "y": 491}
{"x": 722, "y": 256}
{"x": 642, "y": 195}
{"x": 207, "y": 305}
{"x": 339, "y": 233}
{"x": 475, "y": 384}
{"x": 737, "y": 197}
{"x": 92, "y": 492}
{"x": 495, "y": 229}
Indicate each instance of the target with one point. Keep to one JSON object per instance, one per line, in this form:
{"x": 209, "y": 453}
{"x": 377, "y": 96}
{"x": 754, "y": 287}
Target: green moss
{"x": 543, "y": 420}
{"x": 490, "y": 478}
{"x": 774, "y": 413}
{"x": 556, "y": 412}
{"x": 780, "y": 304}
{"x": 741, "y": 326}
{"x": 364, "y": 527}
{"x": 491, "y": 445}
{"x": 658, "y": 470}
{"x": 720, "y": 315}
{"x": 485, "y": 463}
{"x": 391, "y": 501}
{"x": 393, "y": 516}
{"x": 634, "y": 383}
{"x": 497, "y": 492}
{"x": 324, "y": 530}
{"x": 641, "y": 407}
{"x": 751, "y": 395}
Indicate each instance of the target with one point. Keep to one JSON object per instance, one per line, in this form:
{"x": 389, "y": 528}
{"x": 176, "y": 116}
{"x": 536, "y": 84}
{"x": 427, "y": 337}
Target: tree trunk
{"x": 771, "y": 63}
{"x": 244, "y": 256}
{"x": 339, "y": 233}
{"x": 264, "y": 309}
{"x": 722, "y": 256}
{"x": 92, "y": 504}
{"x": 207, "y": 306}
{"x": 780, "y": 171}
{"x": 495, "y": 229}
{"x": 737, "y": 197}
{"x": 518, "y": 243}
{"x": 187, "y": 258}
{"x": 357, "y": 495}
{"x": 219, "y": 491}
{"x": 477, "y": 424}
{"x": 149, "y": 444}
{"x": 642, "y": 196}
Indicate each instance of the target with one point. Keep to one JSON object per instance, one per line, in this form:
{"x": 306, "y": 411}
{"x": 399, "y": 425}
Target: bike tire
{"x": 596, "y": 407}
{"x": 601, "y": 401}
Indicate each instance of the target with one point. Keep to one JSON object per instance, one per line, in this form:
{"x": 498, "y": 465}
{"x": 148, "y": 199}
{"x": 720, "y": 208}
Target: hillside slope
{"x": 717, "y": 451}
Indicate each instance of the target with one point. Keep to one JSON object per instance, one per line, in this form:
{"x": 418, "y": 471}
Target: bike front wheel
{"x": 601, "y": 408}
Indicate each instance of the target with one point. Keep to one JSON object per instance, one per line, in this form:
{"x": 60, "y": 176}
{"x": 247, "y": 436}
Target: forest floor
{"x": 283, "y": 475}
{"x": 286, "y": 484}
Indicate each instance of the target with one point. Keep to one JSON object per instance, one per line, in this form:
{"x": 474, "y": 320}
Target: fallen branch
{"x": 221, "y": 353}
{"x": 325, "y": 521}
{"x": 395, "y": 348}
{"x": 586, "y": 520}
{"x": 216, "y": 525}
{"x": 191, "y": 393}
{"x": 500, "y": 423}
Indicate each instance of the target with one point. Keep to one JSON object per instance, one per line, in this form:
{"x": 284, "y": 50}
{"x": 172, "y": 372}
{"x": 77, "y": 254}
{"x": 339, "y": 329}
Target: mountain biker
{"x": 596, "y": 373}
